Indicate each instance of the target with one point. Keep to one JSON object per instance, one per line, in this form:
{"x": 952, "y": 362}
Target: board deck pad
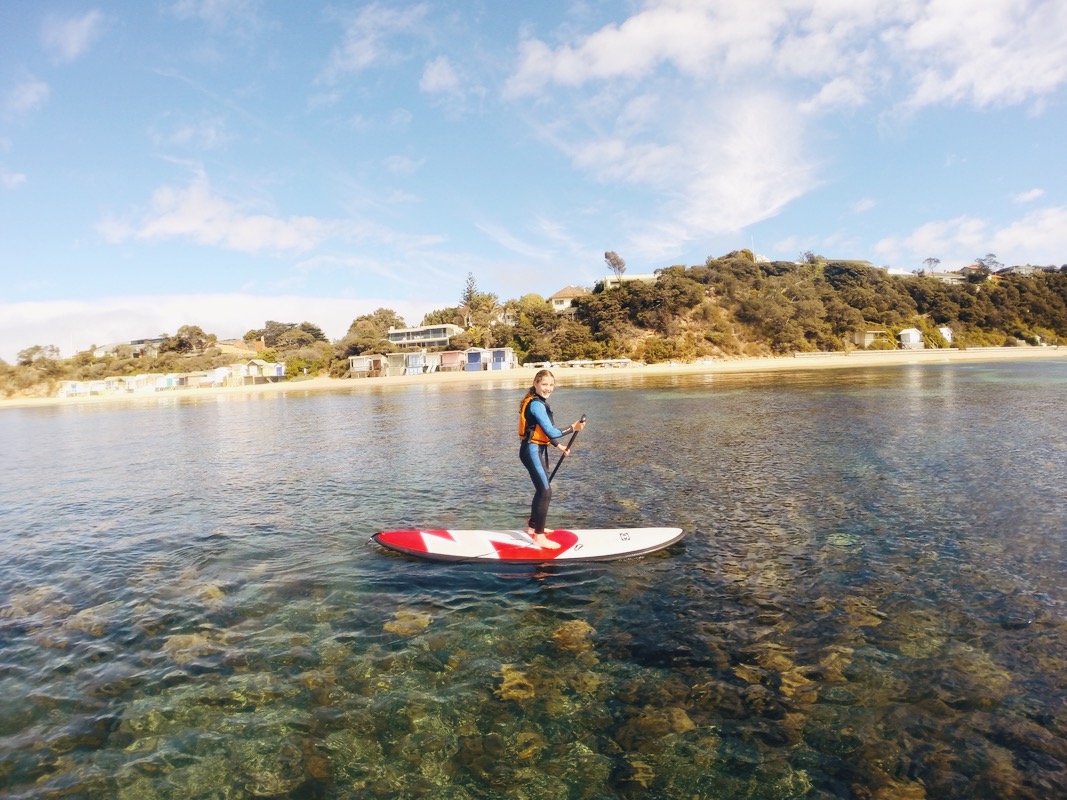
{"x": 603, "y": 544}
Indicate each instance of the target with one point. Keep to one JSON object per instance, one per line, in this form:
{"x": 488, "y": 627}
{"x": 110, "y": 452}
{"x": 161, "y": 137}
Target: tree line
{"x": 731, "y": 306}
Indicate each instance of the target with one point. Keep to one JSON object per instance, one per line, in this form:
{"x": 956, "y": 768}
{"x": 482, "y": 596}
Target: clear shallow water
{"x": 870, "y": 601}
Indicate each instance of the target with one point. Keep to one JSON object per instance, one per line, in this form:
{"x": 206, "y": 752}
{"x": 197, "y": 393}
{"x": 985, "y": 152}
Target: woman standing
{"x": 538, "y": 430}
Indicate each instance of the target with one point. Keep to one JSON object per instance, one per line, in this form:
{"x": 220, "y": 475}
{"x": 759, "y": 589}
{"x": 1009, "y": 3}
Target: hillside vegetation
{"x": 728, "y": 307}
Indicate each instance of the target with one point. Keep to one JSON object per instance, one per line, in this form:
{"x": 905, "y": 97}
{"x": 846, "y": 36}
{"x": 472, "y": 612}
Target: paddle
{"x": 573, "y": 437}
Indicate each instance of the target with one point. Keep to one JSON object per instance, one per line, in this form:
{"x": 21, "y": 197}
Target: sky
{"x": 222, "y": 163}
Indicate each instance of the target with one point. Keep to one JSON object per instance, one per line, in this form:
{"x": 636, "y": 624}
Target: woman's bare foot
{"x": 544, "y": 542}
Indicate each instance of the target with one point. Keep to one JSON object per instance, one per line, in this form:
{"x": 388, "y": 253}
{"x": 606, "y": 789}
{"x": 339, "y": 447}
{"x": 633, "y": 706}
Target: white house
{"x": 259, "y": 371}
{"x": 502, "y": 358}
{"x": 868, "y": 337}
{"x": 951, "y": 278}
{"x": 563, "y": 299}
{"x": 911, "y": 339}
{"x": 367, "y": 365}
{"x": 611, "y": 281}
{"x": 424, "y": 335}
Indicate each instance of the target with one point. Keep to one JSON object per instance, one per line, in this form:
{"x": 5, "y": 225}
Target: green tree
{"x": 477, "y": 309}
{"x": 444, "y": 316}
{"x": 313, "y": 330}
{"x": 188, "y": 339}
{"x": 535, "y": 323}
{"x": 311, "y": 358}
{"x": 376, "y": 325}
{"x": 368, "y": 333}
{"x": 269, "y": 333}
{"x": 272, "y": 333}
{"x": 293, "y": 338}
{"x": 989, "y": 264}
{"x": 36, "y": 353}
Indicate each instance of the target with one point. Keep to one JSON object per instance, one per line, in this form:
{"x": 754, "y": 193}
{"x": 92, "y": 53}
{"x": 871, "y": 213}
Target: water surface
{"x": 869, "y": 601}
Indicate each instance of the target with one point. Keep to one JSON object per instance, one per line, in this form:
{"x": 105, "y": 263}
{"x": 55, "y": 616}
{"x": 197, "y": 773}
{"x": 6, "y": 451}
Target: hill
{"x": 731, "y": 306}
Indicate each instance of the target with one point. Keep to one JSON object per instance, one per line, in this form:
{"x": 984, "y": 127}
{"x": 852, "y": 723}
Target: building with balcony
{"x": 424, "y": 335}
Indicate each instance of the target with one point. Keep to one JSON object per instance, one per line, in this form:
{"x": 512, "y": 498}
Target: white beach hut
{"x": 911, "y": 339}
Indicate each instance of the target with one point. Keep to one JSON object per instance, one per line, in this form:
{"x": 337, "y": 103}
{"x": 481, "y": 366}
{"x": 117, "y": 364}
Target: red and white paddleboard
{"x": 602, "y": 544}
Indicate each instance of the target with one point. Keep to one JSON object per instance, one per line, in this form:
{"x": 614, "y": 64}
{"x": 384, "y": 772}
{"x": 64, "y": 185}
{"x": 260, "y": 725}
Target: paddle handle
{"x": 573, "y": 437}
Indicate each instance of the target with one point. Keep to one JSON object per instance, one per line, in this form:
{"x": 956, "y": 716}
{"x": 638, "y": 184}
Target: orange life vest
{"x": 529, "y": 430}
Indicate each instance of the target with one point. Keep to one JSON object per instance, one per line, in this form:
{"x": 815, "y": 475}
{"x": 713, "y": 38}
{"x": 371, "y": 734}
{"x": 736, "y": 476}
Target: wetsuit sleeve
{"x": 538, "y": 411}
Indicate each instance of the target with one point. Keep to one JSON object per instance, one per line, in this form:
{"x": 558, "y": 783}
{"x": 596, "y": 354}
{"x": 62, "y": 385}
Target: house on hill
{"x": 562, "y": 300}
{"x": 135, "y": 348}
{"x": 424, "y": 335}
{"x": 1026, "y": 270}
{"x": 613, "y": 281}
{"x": 951, "y": 278}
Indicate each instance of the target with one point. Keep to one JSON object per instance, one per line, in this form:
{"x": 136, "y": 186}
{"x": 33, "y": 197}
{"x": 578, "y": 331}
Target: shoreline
{"x": 797, "y": 362}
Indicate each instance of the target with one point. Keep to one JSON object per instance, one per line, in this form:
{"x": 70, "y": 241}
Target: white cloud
{"x": 1038, "y": 238}
{"x": 510, "y": 241}
{"x": 863, "y": 205}
{"x": 367, "y": 39}
{"x": 196, "y": 134}
{"x": 75, "y": 325}
{"x": 723, "y": 166}
{"x": 402, "y": 165}
{"x": 844, "y": 91}
{"x": 708, "y": 103}
{"x": 400, "y": 119}
{"x": 240, "y": 16}
{"x": 635, "y": 48}
{"x": 997, "y": 52}
{"x": 748, "y": 171}
{"x": 708, "y": 40}
{"x": 11, "y": 180}
{"x": 950, "y": 240}
{"x": 68, "y": 38}
{"x": 196, "y": 212}
{"x": 440, "y": 77}
{"x": 1028, "y": 196}
{"x": 447, "y": 87}
{"x": 199, "y": 214}
{"x": 29, "y": 94}
{"x": 1000, "y": 51}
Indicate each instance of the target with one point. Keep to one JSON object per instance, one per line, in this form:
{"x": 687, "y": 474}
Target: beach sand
{"x": 524, "y": 375}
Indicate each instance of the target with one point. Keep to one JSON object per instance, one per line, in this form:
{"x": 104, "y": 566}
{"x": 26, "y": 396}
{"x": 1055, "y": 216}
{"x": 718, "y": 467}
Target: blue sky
{"x": 224, "y": 162}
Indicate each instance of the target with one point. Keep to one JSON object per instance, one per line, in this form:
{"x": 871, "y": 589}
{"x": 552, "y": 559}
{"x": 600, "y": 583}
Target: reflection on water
{"x": 869, "y": 602}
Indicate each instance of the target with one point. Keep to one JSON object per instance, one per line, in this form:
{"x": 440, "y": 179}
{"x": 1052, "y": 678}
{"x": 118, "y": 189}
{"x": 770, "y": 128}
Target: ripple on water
{"x": 866, "y": 603}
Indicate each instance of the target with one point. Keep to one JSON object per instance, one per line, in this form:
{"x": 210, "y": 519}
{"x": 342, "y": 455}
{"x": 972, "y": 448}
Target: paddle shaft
{"x": 573, "y": 437}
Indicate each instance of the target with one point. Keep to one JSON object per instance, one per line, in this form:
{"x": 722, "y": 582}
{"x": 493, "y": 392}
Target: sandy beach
{"x": 522, "y": 375}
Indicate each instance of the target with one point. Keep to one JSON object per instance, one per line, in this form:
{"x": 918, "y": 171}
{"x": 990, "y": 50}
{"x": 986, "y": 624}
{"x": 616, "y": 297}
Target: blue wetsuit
{"x": 534, "y": 457}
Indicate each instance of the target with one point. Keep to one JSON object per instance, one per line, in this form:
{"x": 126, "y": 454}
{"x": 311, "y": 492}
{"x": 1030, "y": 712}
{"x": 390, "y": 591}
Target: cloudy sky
{"x": 225, "y": 162}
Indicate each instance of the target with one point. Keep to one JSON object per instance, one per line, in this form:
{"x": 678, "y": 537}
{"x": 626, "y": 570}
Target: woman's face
{"x": 544, "y": 386}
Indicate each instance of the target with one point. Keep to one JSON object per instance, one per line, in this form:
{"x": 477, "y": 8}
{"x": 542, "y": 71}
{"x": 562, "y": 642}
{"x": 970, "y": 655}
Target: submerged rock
{"x": 574, "y": 636}
{"x": 514, "y": 685}
{"x": 408, "y": 623}
{"x": 182, "y": 648}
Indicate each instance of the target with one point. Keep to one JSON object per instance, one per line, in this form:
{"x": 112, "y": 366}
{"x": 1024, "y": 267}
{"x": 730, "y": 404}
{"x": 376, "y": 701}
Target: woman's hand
{"x": 577, "y": 426}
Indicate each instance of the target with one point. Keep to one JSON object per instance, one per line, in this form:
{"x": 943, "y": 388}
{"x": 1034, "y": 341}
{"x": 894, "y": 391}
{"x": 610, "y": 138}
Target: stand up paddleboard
{"x": 515, "y": 546}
